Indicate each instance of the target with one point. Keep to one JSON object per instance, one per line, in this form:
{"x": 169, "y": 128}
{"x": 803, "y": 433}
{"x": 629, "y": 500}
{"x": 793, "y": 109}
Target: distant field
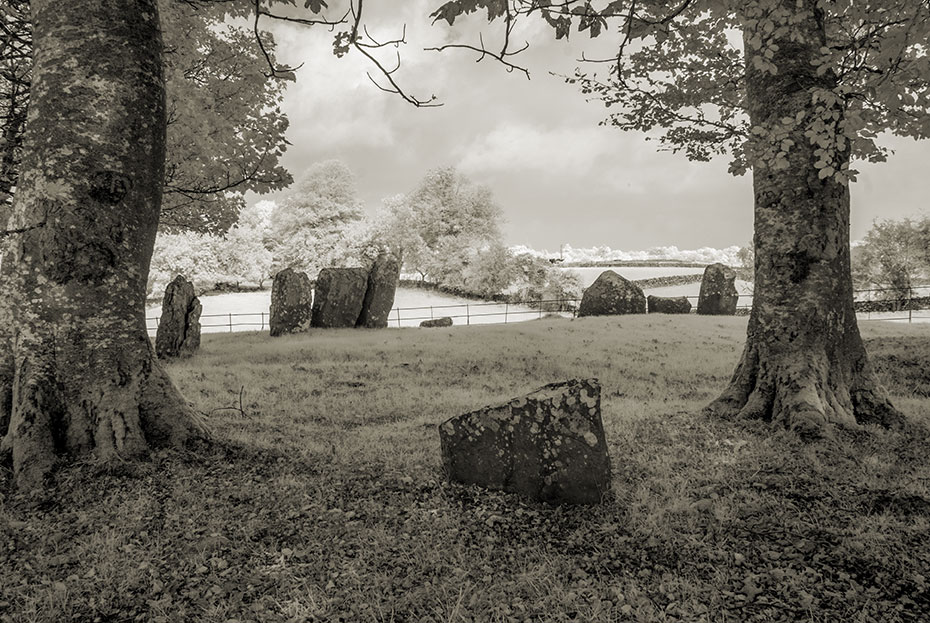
{"x": 588, "y": 275}
{"x": 324, "y": 499}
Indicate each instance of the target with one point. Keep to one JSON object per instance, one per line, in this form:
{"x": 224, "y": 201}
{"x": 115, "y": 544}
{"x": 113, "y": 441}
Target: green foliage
{"x": 893, "y": 256}
{"x": 225, "y": 125}
{"x": 746, "y": 256}
{"x": 680, "y": 72}
{"x": 238, "y": 256}
{"x": 318, "y": 223}
{"x": 324, "y": 498}
{"x": 441, "y": 226}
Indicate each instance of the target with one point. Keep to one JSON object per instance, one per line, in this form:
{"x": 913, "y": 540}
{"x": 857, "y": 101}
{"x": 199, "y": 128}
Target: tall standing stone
{"x": 340, "y": 293}
{"x": 718, "y": 291}
{"x": 291, "y": 300}
{"x": 178, "y": 333}
{"x": 548, "y": 445}
{"x": 379, "y": 297}
{"x": 611, "y": 294}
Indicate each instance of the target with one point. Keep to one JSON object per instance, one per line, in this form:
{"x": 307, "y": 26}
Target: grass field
{"x": 323, "y": 500}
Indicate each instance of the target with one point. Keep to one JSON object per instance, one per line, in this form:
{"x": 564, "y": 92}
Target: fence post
{"x": 263, "y": 321}
{"x": 910, "y": 313}
{"x": 397, "y": 309}
{"x": 467, "y": 315}
{"x": 230, "y": 322}
{"x": 506, "y": 308}
{"x": 540, "y": 307}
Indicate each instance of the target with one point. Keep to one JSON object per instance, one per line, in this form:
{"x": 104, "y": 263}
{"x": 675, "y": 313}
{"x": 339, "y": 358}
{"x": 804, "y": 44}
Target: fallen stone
{"x": 445, "y": 321}
{"x": 338, "y": 299}
{"x": 668, "y": 305}
{"x": 379, "y": 296}
{"x": 291, "y": 299}
{"x": 610, "y": 295}
{"x": 178, "y": 333}
{"x": 718, "y": 295}
{"x": 548, "y": 445}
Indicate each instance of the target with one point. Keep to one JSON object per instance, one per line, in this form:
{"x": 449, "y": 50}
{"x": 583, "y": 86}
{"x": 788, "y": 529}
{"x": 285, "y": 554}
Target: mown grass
{"x": 323, "y": 498}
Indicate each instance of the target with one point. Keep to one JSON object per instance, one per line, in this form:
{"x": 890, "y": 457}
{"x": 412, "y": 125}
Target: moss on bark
{"x": 84, "y": 379}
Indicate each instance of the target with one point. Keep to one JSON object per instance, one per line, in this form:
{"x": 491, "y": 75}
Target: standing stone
{"x": 379, "y": 297}
{"x": 718, "y": 291}
{"x": 548, "y": 445}
{"x": 611, "y": 294}
{"x": 291, "y": 298}
{"x": 668, "y": 305}
{"x": 340, "y": 293}
{"x": 178, "y": 333}
{"x": 445, "y": 321}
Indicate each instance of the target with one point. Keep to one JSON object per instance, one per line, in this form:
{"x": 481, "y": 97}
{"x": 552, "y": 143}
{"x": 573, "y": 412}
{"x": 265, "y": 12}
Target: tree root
{"x": 806, "y": 392}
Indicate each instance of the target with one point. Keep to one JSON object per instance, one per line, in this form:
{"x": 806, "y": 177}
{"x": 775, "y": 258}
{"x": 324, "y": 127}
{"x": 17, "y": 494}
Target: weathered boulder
{"x": 611, "y": 294}
{"x": 445, "y": 321}
{"x": 178, "y": 333}
{"x": 338, "y": 299}
{"x": 291, "y": 299}
{"x": 379, "y": 296}
{"x": 668, "y": 305}
{"x": 718, "y": 291}
{"x": 548, "y": 445}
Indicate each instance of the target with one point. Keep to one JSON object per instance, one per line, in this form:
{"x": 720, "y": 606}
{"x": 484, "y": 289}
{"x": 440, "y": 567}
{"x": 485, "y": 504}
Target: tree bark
{"x": 85, "y": 379}
{"x": 804, "y": 364}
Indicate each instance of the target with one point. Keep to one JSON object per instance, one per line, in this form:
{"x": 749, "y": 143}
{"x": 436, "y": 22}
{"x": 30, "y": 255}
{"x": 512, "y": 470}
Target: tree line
{"x": 446, "y": 231}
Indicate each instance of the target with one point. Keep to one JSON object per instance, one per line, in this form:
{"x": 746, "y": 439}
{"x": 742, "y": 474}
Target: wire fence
{"x": 875, "y": 305}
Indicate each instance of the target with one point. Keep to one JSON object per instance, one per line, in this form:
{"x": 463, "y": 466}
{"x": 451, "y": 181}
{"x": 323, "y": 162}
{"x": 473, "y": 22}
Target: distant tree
{"x": 191, "y": 254}
{"x": 489, "y": 270}
{"x": 892, "y": 257}
{"x": 439, "y": 226}
{"x": 811, "y": 87}
{"x": 746, "y": 256}
{"x": 241, "y": 253}
{"x": 315, "y": 225}
{"x": 225, "y": 125}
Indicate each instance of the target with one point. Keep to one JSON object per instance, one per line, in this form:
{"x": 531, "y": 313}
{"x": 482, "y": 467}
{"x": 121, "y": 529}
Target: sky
{"x": 558, "y": 175}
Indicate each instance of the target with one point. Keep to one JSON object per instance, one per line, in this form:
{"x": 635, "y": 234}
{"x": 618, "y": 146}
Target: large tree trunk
{"x": 804, "y": 364}
{"x": 84, "y": 376}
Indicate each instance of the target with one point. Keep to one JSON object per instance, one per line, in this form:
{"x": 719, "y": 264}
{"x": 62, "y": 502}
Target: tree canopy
{"x": 312, "y": 227}
{"x": 679, "y": 72}
{"x": 439, "y": 225}
{"x": 225, "y": 125}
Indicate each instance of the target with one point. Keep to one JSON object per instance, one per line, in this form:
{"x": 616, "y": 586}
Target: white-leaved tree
{"x": 317, "y": 224}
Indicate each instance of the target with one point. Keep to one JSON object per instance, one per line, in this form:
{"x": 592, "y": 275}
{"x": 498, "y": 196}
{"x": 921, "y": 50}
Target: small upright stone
{"x": 718, "y": 291}
{"x": 291, "y": 298}
{"x": 178, "y": 333}
{"x": 445, "y": 321}
{"x": 379, "y": 297}
{"x": 548, "y": 445}
{"x": 340, "y": 293}
{"x": 668, "y": 305}
{"x": 610, "y": 295}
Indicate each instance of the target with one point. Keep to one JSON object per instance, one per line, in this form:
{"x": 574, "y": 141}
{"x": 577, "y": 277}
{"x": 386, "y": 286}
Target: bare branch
{"x": 364, "y": 46}
{"x": 20, "y": 230}
{"x": 483, "y": 51}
